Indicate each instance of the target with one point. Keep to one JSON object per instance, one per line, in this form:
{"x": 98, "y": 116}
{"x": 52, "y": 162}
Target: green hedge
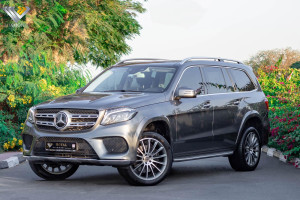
{"x": 27, "y": 83}
{"x": 282, "y": 88}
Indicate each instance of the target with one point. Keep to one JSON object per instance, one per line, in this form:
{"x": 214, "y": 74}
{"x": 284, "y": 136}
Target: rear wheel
{"x": 153, "y": 161}
{"x": 53, "y": 171}
{"x": 247, "y": 155}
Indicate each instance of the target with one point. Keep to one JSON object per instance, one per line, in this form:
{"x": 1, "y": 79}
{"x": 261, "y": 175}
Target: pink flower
{"x": 281, "y": 83}
{"x": 290, "y": 146}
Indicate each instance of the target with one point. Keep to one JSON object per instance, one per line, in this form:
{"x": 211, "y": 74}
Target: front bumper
{"x": 129, "y": 131}
{"x": 43, "y": 159}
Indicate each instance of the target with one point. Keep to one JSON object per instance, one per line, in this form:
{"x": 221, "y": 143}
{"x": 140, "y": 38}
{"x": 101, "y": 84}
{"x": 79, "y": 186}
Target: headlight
{"x": 30, "y": 115}
{"x": 118, "y": 115}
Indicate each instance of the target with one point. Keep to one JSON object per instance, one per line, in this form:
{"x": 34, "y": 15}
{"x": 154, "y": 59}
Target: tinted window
{"x": 191, "y": 79}
{"x": 242, "y": 81}
{"x": 214, "y": 80}
{"x": 229, "y": 85}
{"x": 133, "y": 78}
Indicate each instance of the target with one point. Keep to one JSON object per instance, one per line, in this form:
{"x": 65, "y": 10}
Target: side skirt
{"x": 186, "y": 158}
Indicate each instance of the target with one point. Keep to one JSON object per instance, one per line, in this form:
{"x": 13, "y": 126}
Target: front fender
{"x": 147, "y": 120}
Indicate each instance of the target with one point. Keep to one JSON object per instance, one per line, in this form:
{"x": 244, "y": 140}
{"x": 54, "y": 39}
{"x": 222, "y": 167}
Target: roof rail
{"x": 139, "y": 59}
{"x": 210, "y": 58}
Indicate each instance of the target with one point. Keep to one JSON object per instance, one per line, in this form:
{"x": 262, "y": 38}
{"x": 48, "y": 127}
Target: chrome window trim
{"x": 199, "y": 66}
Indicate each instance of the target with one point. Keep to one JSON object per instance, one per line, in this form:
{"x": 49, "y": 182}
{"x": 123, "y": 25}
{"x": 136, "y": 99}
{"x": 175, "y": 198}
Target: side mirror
{"x": 186, "y": 93}
{"x": 79, "y": 90}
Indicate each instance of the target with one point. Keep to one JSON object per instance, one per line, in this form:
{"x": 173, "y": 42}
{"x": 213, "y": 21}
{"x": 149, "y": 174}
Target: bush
{"x": 282, "y": 88}
{"x": 26, "y": 83}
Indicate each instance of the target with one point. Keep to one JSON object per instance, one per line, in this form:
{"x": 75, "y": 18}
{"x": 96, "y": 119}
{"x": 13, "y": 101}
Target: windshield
{"x": 133, "y": 79}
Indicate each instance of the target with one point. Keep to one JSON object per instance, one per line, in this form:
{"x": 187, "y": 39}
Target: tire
{"x": 43, "y": 170}
{"x": 153, "y": 164}
{"x": 247, "y": 154}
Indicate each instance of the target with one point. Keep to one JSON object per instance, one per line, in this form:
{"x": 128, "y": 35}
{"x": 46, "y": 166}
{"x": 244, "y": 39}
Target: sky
{"x": 236, "y": 29}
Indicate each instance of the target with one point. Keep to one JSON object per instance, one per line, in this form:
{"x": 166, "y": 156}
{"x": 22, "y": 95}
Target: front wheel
{"x": 53, "y": 171}
{"x": 247, "y": 155}
{"x": 153, "y": 161}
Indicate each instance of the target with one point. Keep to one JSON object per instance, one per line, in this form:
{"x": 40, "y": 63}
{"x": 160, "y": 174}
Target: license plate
{"x": 60, "y": 146}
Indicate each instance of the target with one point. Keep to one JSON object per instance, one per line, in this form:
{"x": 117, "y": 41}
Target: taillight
{"x": 267, "y": 103}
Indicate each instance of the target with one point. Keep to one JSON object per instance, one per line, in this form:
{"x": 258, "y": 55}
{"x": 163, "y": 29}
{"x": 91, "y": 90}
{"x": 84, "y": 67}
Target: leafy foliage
{"x": 37, "y": 54}
{"x": 71, "y": 30}
{"x": 282, "y": 88}
{"x": 27, "y": 83}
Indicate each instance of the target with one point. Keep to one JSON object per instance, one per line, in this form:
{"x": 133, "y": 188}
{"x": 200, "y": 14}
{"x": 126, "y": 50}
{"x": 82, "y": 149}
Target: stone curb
{"x": 12, "y": 161}
{"x": 277, "y": 154}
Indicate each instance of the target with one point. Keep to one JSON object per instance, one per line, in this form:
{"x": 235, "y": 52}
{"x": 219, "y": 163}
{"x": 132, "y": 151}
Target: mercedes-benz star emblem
{"x": 61, "y": 120}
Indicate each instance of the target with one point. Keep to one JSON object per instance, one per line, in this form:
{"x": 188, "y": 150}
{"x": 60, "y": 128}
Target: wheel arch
{"x": 251, "y": 118}
{"x": 161, "y": 122}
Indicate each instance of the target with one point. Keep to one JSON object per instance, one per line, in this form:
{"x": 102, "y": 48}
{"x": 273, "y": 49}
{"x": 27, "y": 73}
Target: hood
{"x": 104, "y": 100}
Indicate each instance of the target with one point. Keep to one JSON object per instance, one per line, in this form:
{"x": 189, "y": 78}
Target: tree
{"x": 70, "y": 30}
{"x": 35, "y": 52}
{"x": 282, "y": 58}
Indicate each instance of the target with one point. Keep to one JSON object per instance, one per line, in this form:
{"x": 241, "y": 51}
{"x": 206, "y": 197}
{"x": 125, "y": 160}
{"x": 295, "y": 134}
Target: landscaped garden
{"x": 27, "y": 83}
{"x": 282, "y": 88}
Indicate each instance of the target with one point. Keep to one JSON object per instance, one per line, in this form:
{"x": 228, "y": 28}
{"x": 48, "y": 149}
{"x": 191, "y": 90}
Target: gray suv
{"x": 141, "y": 115}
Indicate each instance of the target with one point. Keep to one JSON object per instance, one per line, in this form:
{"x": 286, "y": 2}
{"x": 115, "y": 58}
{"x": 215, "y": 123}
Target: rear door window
{"x": 214, "y": 80}
{"x": 241, "y": 80}
{"x": 229, "y": 84}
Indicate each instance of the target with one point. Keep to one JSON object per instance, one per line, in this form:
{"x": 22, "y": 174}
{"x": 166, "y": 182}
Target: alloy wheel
{"x": 151, "y": 159}
{"x": 252, "y": 150}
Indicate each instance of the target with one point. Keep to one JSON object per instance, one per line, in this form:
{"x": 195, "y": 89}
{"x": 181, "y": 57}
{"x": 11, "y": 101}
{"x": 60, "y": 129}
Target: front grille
{"x": 74, "y": 111}
{"x": 84, "y": 150}
{"x": 79, "y": 119}
{"x": 115, "y": 145}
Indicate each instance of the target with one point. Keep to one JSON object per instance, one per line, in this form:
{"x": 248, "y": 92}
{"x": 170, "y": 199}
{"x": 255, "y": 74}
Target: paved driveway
{"x": 202, "y": 179}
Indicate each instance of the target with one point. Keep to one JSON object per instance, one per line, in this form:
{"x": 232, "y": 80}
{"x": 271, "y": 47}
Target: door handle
{"x": 207, "y": 105}
{"x": 236, "y": 102}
